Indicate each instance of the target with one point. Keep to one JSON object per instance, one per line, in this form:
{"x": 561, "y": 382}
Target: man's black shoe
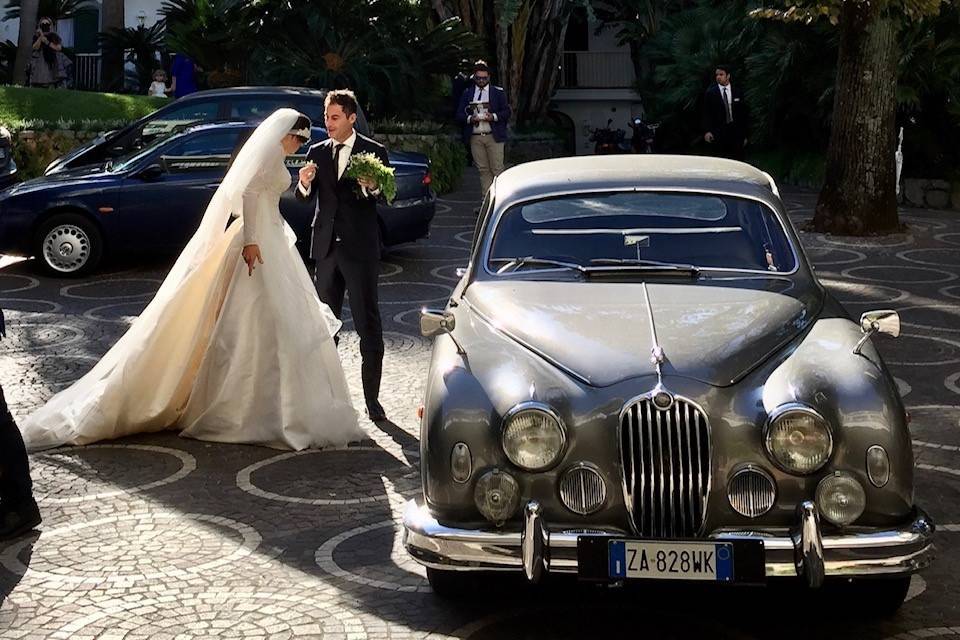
{"x": 375, "y": 412}
{"x": 16, "y": 522}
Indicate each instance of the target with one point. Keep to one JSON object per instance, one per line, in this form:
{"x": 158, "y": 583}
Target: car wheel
{"x": 68, "y": 244}
{"x": 453, "y": 585}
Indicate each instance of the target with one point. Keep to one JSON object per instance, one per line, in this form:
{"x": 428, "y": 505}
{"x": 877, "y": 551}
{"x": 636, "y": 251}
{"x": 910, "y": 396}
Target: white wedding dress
{"x": 220, "y": 355}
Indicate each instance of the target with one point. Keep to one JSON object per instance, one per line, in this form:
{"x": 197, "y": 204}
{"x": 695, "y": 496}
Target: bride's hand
{"x": 251, "y": 255}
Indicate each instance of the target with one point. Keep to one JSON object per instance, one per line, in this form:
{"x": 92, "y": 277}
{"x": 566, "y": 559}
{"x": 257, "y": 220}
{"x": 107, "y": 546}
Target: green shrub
{"x": 33, "y": 155}
{"x": 448, "y": 158}
{"x": 416, "y": 127}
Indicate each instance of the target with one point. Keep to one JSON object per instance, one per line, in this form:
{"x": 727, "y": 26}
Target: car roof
{"x": 229, "y": 124}
{"x": 583, "y": 174}
{"x": 266, "y": 91}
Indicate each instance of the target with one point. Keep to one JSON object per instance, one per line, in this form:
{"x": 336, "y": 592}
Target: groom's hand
{"x": 307, "y": 173}
{"x": 251, "y": 255}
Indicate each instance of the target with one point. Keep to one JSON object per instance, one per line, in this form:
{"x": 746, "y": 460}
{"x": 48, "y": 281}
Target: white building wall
{"x": 150, "y": 9}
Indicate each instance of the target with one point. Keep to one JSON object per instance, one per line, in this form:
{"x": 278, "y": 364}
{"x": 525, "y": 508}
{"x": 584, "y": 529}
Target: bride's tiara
{"x": 303, "y": 133}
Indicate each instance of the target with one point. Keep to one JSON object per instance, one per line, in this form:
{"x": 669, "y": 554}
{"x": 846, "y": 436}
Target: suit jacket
{"x": 342, "y": 211}
{"x": 714, "y": 116}
{"x": 498, "y": 105}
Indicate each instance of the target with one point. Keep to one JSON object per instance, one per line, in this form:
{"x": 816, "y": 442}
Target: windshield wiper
{"x": 633, "y": 264}
{"x": 512, "y": 264}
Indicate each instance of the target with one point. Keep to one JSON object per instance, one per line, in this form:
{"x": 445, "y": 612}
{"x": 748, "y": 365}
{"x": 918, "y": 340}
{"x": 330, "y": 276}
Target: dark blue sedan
{"x": 152, "y": 201}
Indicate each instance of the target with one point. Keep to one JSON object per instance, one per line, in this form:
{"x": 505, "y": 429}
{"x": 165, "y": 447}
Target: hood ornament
{"x": 657, "y": 355}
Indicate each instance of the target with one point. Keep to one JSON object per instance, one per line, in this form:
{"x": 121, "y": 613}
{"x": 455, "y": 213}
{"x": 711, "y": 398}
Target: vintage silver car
{"x": 639, "y": 376}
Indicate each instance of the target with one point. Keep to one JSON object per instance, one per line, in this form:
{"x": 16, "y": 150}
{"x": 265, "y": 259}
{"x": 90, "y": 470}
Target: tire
{"x": 68, "y": 245}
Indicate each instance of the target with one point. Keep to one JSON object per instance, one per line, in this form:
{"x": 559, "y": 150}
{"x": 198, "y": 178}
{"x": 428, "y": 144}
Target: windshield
{"x": 643, "y": 230}
{"x": 125, "y": 162}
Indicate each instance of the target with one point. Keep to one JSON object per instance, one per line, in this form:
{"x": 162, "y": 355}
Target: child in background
{"x": 158, "y": 88}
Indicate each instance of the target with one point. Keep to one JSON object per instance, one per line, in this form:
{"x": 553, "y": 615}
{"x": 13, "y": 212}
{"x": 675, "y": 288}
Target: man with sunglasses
{"x": 484, "y": 112}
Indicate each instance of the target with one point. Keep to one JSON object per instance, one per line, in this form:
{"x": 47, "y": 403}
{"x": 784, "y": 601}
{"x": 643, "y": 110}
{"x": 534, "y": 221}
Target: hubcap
{"x": 66, "y": 248}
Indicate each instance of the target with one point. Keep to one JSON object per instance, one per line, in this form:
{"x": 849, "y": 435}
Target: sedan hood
{"x": 78, "y": 176}
{"x": 601, "y": 332}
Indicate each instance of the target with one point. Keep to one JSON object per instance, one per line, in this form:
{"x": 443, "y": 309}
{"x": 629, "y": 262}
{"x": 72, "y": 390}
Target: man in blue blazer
{"x": 484, "y": 112}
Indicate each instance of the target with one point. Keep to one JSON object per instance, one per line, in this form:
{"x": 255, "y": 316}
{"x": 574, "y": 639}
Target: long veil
{"x": 228, "y": 199}
{"x": 160, "y": 346}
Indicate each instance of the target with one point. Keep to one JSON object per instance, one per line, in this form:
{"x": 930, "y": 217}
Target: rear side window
{"x": 214, "y": 143}
{"x": 257, "y": 108}
{"x": 177, "y": 117}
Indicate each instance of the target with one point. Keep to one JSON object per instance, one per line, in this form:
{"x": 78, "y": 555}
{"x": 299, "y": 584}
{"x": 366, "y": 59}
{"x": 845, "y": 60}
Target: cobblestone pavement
{"x": 163, "y": 537}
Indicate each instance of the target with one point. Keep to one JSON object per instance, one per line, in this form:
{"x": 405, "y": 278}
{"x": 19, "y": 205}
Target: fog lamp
{"x": 497, "y": 496}
{"x": 840, "y": 498}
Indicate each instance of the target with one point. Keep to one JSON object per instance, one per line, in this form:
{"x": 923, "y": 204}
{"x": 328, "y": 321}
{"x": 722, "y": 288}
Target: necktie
{"x": 336, "y": 161}
{"x": 726, "y": 105}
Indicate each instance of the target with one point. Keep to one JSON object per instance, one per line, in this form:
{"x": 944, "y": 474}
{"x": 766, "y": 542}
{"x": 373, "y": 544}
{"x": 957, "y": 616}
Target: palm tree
{"x": 53, "y": 9}
{"x": 112, "y": 66}
{"x": 28, "y": 24}
{"x": 143, "y": 44}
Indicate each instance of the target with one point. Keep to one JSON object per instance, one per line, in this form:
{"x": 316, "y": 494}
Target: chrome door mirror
{"x": 885, "y": 321}
{"x": 435, "y": 323}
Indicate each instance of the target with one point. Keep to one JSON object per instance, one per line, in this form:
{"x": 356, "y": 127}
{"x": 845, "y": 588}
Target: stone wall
{"x": 34, "y": 150}
{"x": 933, "y": 194}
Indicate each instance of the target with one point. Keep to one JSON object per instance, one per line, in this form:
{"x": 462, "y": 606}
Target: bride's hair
{"x": 302, "y": 127}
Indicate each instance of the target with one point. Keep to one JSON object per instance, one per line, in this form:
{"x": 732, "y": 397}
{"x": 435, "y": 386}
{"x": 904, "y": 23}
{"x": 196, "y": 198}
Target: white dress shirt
{"x": 726, "y": 93}
{"x": 482, "y": 94}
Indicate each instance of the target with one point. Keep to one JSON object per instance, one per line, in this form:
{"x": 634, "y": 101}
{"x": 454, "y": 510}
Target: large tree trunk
{"x": 859, "y": 193}
{"x": 111, "y": 74}
{"x": 28, "y": 26}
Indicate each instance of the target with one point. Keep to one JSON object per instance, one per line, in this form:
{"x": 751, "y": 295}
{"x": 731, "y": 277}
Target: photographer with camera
{"x": 44, "y": 62}
{"x": 483, "y": 112}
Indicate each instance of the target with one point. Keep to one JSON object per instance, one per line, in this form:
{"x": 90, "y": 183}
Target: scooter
{"x": 607, "y": 140}
{"x": 644, "y": 135}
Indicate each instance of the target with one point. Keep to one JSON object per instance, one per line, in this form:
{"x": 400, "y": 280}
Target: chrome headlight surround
{"x": 785, "y": 411}
{"x": 522, "y": 453}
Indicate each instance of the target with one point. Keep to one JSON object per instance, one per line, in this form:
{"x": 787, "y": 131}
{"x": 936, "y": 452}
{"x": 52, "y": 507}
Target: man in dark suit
{"x": 484, "y": 112}
{"x": 725, "y": 116}
{"x": 18, "y": 510}
{"x": 346, "y": 234}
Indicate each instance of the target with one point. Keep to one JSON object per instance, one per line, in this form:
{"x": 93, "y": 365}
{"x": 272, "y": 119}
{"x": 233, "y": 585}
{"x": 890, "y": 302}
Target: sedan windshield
{"x": 666, "y": 232}
{"x": 123, "y": 163}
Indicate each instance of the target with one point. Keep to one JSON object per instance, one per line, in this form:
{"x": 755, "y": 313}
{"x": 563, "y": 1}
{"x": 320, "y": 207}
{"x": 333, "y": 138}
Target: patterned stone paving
{"x": 162, "y": 537}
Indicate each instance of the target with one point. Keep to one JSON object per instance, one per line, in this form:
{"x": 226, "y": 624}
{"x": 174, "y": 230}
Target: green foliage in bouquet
{"x": 367, "y": 165}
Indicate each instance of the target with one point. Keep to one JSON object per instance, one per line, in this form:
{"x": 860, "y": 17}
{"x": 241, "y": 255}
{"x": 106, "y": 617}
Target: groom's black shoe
{"x": 19, "y": 520}
{"x": 375, "y": 412}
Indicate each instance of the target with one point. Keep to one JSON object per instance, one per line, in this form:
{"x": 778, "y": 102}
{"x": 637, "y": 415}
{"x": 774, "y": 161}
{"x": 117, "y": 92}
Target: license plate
{"x": 711, "y": 561}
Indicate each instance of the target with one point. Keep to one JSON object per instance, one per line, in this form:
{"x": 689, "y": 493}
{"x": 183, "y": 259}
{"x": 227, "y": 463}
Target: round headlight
{"x": 533, "y": 438}
{"x": 840, "y": 498}
{"x": 798, "y": 439}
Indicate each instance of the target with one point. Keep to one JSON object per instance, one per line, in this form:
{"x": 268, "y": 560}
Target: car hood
{"x": 601, "y": 332}
{"x": 79, "y": 176}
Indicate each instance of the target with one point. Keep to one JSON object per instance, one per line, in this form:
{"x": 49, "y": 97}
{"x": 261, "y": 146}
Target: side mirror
{"x": 435, "y": 323}
{"x": 883, "y": 321}
{"x": 150, "y": 173}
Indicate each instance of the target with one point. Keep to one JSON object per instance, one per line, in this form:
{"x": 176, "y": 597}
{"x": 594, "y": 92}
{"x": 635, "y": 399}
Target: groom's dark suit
{"x": 346, "y": 247}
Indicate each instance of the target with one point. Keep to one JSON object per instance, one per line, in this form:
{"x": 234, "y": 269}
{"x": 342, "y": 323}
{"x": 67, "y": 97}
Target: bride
{"x": 229, "y": 350}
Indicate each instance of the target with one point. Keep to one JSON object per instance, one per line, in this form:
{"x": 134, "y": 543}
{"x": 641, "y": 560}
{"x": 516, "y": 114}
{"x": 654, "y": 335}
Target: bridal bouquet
{"x": 367, "y": 165}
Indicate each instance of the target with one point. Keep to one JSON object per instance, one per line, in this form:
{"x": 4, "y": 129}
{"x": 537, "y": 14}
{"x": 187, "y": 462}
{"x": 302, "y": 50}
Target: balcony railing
{"x": 597, "y": 70}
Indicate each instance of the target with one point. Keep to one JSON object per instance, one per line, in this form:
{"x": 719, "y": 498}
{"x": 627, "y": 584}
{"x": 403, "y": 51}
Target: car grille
{"x": 666, "y": 465}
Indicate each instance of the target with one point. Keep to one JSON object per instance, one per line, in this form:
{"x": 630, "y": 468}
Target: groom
{"x": 346, "y": 234}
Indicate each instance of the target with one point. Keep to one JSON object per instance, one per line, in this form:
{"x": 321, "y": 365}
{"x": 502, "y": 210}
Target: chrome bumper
{"x": 805, "y": 553}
